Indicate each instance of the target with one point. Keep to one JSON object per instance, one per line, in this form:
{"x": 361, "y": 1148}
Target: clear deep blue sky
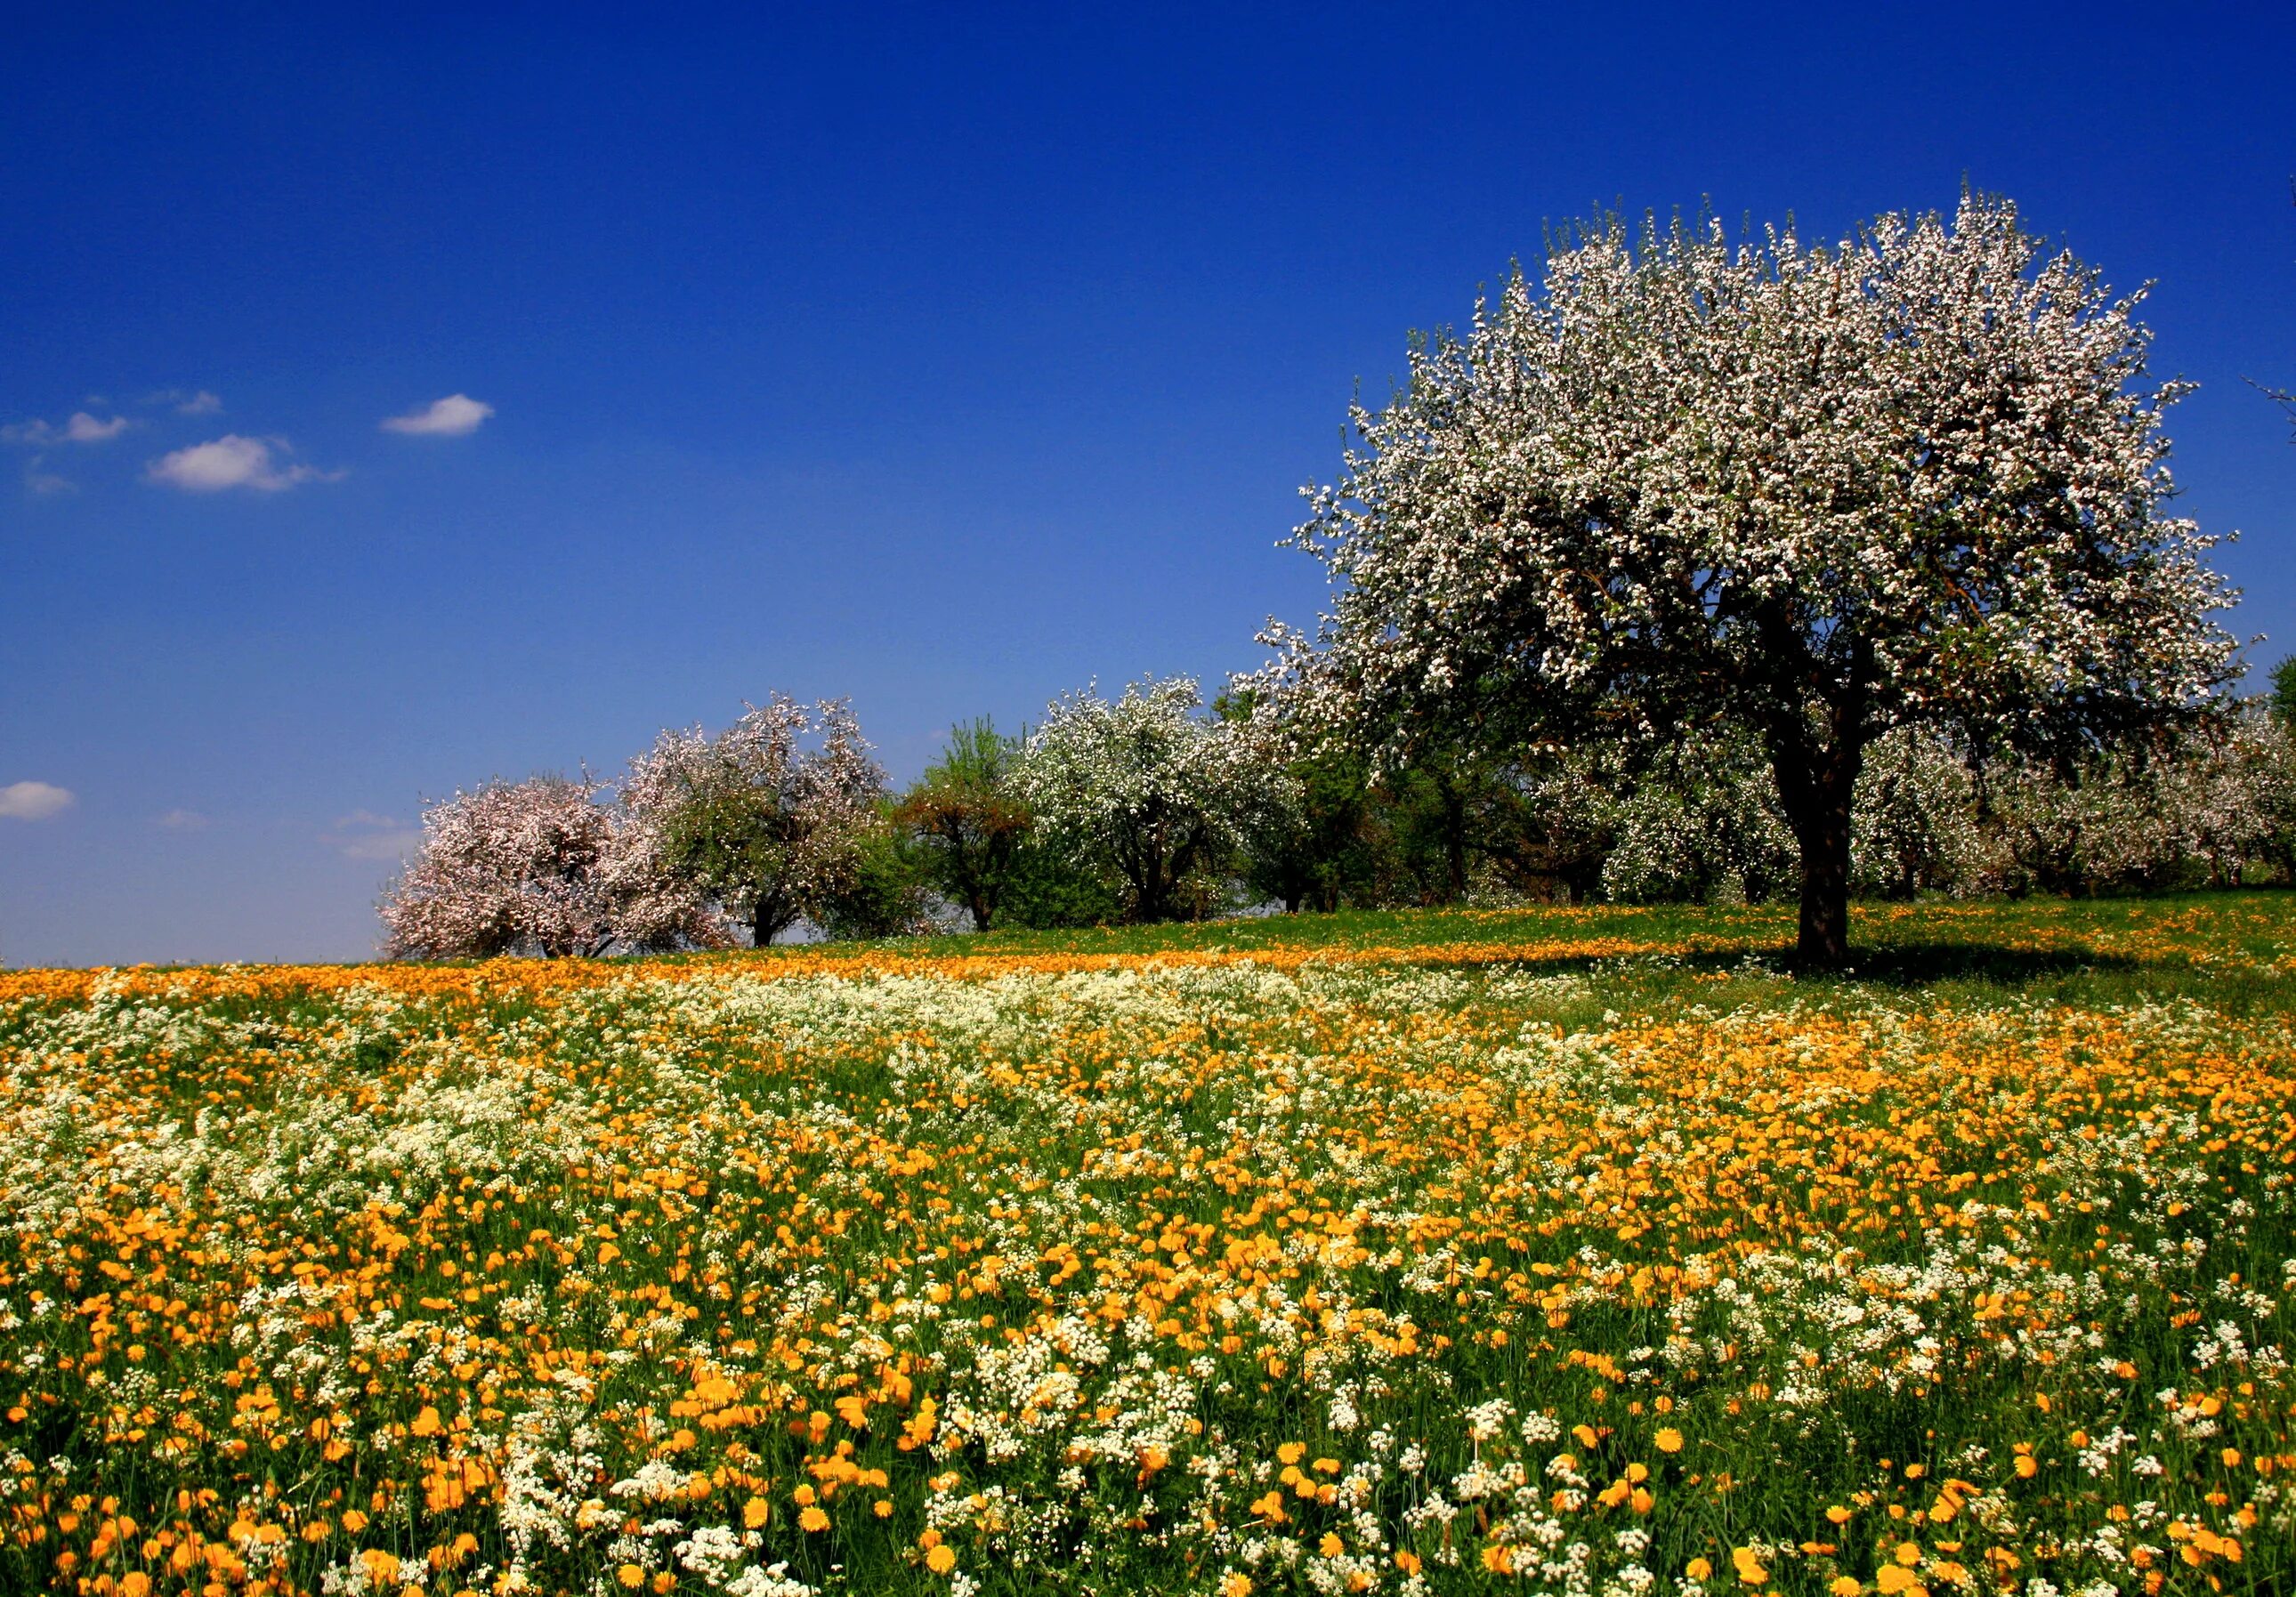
{"x": 942, "y": 359}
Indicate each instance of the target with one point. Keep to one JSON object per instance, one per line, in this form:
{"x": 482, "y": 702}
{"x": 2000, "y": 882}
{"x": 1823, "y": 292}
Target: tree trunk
{"x": 1824, "y": 942}
{"x": 768, "y": 920}
{"x": 1454, "y": 837}
{"x": 1816, "y": 786}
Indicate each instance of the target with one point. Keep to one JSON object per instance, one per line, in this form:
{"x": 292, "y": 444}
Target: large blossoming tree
{"x": 1916, "y": 477}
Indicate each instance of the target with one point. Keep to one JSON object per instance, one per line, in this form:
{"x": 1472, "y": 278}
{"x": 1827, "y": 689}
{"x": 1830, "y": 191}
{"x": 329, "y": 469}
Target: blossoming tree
{"x": 769, "y": 827}
{"x": 539, "y": 865}
{"x": 1146, "y": 790}
{"x": 1816, "y": 492}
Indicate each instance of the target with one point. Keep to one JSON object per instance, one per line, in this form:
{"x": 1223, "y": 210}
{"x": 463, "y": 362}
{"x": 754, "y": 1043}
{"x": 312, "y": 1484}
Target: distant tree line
{"x": 1693, "y": 570}
{"x": 1155, "y": 807}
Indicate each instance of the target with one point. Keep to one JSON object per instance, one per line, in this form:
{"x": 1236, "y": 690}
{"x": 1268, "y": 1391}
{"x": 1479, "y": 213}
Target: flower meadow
{"x": 1591, "y": 1262}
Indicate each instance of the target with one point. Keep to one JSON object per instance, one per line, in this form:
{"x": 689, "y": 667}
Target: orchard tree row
{"x": 1151, "y": 808}
{"x": 1695, "y": 568}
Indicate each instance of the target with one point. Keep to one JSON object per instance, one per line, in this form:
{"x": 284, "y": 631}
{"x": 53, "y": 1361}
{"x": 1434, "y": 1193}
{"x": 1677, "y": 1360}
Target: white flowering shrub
{"x": 1913, "y": 478}
{"x": 2208, "y": 810}
{"x": 1702, "y": 824}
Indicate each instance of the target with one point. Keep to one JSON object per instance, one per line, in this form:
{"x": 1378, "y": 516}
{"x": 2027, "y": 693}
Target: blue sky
{"x": 945, "y": 359}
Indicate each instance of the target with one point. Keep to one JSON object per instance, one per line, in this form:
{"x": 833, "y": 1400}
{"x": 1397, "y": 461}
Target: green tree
{"x": 970, "y": 822}
{"x": 883, "y": 893}
{"x": 2282, "y": 697}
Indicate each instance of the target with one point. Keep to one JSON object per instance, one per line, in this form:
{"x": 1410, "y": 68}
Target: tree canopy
{"x": 1815, "y": 492}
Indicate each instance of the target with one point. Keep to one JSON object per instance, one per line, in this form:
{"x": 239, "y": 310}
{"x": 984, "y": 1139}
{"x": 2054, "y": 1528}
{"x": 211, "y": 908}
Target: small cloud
{"x": 46, "y": 482}
{"x": 364, "y": 835}
{"x": 84, "y": 429}
{"x": 33, "y": 800}
{"x": 450, "y": 418}
{"x": 233, "y": 461}
{"x": 182, "y": 820}
{"x": 199, "y": 403}
{"x": 81, "y": 429}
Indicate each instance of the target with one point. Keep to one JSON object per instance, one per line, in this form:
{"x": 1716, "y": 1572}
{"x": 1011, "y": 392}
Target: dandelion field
{"x": 1568, "y": 1252}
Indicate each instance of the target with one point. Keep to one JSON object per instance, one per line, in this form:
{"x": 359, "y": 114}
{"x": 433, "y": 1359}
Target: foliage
{"x": 1148, "y": 794}
{"x": 1047, "y": 890}
{"x": 1814, "y": 493}
{"x": 538, "y": 866}
{"x": 1310, "y": 843}
{"x": 970, "y": 821}
{"x": 1574, "y": 1251}
{"x": 769, "y": 827}
{"x": 2283, "y": 695}
{"x": 886, "y": 893}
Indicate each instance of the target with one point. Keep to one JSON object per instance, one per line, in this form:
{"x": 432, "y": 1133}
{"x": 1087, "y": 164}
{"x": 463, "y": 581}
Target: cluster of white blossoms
{"x": 1920, "y": 463}
{"x": 1146, "y": 788}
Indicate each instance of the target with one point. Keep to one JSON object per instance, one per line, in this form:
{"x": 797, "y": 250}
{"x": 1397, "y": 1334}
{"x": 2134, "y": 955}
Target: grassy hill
{"x": 1562, "y": 1250}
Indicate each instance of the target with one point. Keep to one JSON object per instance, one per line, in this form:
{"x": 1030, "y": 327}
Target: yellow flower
{"x": 1908, "y": 1553}
{"x": 1233, "y": 1584}
{"x": 1330, "y": 1546}
{"x": 630, "y": 1576}
{"x": 1698, "y": 1569}
{"x": 813, "y": 1519}
{"x": 941, "y": 1559}
{"x": 1844, "y": 1585}
{"x": 1668, "y": 1440}
{"x": 754, "y": 1512}
{"x": 1749, "y": 1566}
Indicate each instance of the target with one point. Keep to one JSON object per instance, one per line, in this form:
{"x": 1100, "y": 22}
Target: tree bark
{"x": 1816, "y": 786}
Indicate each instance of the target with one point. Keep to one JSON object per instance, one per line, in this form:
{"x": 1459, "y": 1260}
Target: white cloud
{"x": 33, "y": 800}
{"x": 84, "y": 429}
{"x": 233, "y": 461}
{"x": 81, "y": 429}
{"x": 46, "y": 482}
{"x": 364, "y": 835}
{"x": 182, "y": 820}
{"x": 451, "y": 417}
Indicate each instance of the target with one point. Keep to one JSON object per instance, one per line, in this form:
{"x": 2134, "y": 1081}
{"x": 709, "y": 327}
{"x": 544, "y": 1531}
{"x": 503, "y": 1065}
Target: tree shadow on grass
{"x": 1998, "y": 964}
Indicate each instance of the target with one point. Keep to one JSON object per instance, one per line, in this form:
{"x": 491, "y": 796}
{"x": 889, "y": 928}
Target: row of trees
{"x": 1695, "y": 566}
{"x": 1150, "y": 807}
